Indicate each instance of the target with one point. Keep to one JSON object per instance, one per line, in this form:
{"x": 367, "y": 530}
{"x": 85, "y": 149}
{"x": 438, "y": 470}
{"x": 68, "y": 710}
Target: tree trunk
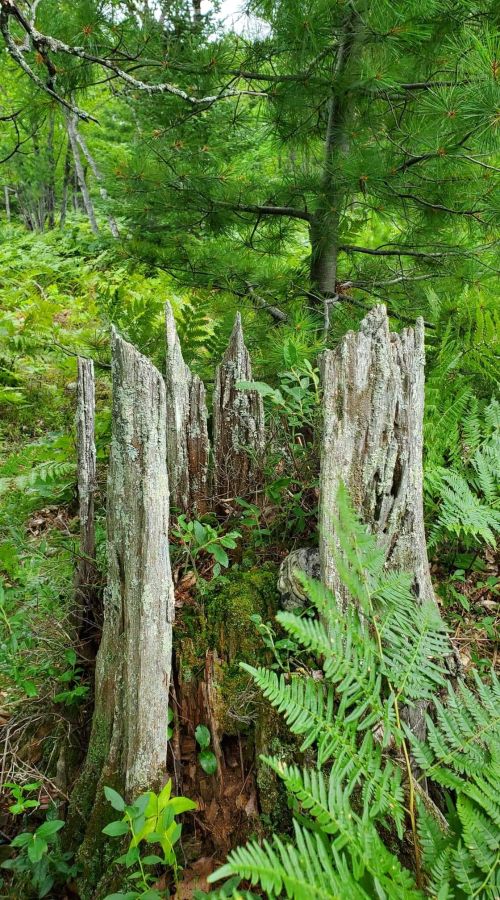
{"x": 238, "y": 424}
{"x": 113, "y": 227}
{"x": 128, "y": 743}
{"x": 80, "y": 174}
{"x": 187, "y": 435}
{"x": 7, "y": 203}
{"x": 88, "y": 614}
{"x": 50, "y": 191}
{"x": 65, "y": 187}
{"x": 373, "y": 409}
{"x": 324, "y": 228}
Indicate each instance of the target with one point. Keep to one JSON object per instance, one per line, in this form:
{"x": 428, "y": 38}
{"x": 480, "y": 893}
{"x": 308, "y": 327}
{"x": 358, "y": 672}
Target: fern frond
{"x": 302, "y": 871}
{"x": 327, "y": 801}
{"x": 463, "y": 754}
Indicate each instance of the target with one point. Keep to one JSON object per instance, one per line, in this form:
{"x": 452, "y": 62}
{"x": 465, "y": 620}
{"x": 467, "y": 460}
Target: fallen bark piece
{"x": 304, "y": 560}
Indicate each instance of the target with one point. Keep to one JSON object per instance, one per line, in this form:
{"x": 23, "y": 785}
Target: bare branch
{"x": 397, "y": 251}
{"x": 17, "y": 55}
{"x": 44, "y": 43}
{"x": 290, "y": 211}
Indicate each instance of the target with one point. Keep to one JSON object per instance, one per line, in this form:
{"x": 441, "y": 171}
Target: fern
{"x": 465, "y": 499}
{"x": 462, "y": 753}
{"x": 385, "y": 651}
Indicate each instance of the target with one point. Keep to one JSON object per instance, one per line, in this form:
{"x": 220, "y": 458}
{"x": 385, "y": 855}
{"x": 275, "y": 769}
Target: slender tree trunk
{"x": 128, "y": 743}
{"x": 7, "y": 203}
{"x": 187, "y": 435}
{"x": 324, "y": 229}
{"x": 113, "y": 227}
{"x": 80, "y": 174}
{"x": 50, "y": 193}
{"x": 65, "y": 187}
{"x": 88, "y": 615}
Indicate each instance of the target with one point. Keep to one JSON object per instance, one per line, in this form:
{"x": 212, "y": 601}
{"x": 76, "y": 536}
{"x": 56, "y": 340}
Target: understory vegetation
{"x": 300, "y": 167}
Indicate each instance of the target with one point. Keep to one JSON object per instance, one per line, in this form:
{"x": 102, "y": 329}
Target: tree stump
{"x": 128, "y": 743}
{"x": 87, "y": 611}
{"x": 373, "y": 406}
{"x": 187, "y": 435}
{"x": 238, "y": 424}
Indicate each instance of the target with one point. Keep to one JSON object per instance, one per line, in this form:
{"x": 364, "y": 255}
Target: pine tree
{"x": 356, "y": 140}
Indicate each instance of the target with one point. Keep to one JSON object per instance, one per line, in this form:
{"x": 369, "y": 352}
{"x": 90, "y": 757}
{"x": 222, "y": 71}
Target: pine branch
{"x": 44, "y": 43}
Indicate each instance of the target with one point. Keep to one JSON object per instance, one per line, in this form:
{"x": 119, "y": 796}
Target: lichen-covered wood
{"x": 304, "y": 560}
{"x": 372, "y": 441}
{"x": 188, "y": 446}
{"x": 238, "y": 424}
{"x": 86, "y": 573}
{"x": 128, "y": 743}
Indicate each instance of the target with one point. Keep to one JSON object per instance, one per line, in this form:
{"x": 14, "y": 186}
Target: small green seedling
{"x": 206, "y": 757}
{"x": 40, "y": 858}
{"x": 20, "y": 794}
{"x": 198, "y": 538}
{"x": 150, "y": 819}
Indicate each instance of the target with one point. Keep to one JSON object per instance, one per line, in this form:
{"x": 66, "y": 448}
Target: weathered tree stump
{"x": 86, "y": 591}
{"x": 188, "y": 446}
{"x": 238, "y": 424}
{"x": 372, "y": 441}
{"x": 128, "y": 743}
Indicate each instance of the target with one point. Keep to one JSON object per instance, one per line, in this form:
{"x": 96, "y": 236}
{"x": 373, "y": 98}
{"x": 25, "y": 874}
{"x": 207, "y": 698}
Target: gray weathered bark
{"x": 372, "y": 441}
{"x": 238, "y": 423}
{"x": 128, "y": 743}
{"x": 291, "y": 590}
{"x": 86, "y": 573}
{"x": 187, "y": 435}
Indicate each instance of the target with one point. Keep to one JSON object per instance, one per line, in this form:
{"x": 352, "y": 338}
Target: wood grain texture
{"x": 86, "y": 572}
{"x": 373, "y": 405}
{"x": 238, "y": 424}
{"x": 188, "y": 446}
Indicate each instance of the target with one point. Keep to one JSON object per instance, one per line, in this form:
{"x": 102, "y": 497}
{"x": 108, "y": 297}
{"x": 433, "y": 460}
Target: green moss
{"x": 273, "y": 738}
{"x": 220, "y": 621}
{"x": 228, "y": 608}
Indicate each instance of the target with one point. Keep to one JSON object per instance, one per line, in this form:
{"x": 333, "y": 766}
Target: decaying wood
{"x": 372, "y": 441}
{"x": 187, "y": 434}
{"x": 238, "y": 423}
{"x": 86, "y": 572}
{"x": 210, "y": 702}
{"x": 128, "y": 743}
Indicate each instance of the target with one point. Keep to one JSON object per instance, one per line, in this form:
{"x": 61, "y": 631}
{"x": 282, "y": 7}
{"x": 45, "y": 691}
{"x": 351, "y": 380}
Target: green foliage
{"x": 285, "y": 651}
{"x": 201, "y": 538}
{"x": 150, "y": 819}
{"x": 21, "y": 794}
{"x": 293, "y": 421}
{"x": 206, "y": 758}
{"x": 465, "y": 495}
{"x": 384, "y": 652}
{"x": 40, "y": 861}
{"x": 462, "y": 754}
